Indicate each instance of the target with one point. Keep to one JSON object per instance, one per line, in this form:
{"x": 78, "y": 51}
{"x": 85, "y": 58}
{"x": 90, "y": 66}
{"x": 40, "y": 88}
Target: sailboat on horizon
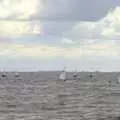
{"x": 63, "y": 74}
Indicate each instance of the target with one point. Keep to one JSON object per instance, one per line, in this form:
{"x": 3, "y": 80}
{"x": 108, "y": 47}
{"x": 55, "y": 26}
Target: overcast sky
{"x": 48, "y": 34}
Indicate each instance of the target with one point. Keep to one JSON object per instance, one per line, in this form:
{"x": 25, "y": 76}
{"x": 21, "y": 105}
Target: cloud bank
{"x": 19, "y": 9}
{"x": 106, "y": 28}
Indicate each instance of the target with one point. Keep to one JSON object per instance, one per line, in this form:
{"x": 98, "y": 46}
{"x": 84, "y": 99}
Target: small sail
{"x": 63, "y": 75}
{"x": 118, "y": 79}
{"x": 16, "y": 74}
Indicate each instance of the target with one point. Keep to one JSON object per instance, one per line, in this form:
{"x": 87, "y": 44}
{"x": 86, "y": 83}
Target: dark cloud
{"x": 83, "y": 10}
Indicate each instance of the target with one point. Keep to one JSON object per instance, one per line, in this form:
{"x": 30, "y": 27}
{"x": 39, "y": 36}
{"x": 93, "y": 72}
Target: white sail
{"x": 118, "y": 79}
{"x": 63, "y": 75}
{"x": 17, "y": 74}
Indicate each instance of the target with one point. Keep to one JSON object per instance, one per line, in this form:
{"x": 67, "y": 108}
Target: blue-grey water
{"x": 42, "y": 96}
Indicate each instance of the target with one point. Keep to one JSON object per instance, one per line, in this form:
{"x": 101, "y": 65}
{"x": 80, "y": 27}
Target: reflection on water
{"x": 42, "y": 96}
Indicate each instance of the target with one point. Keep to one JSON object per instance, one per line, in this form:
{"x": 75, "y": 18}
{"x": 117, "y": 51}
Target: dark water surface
{"x": 42, "y": 96}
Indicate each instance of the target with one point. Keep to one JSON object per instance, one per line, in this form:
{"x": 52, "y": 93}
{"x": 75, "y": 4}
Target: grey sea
{"x": 42, "y": 96}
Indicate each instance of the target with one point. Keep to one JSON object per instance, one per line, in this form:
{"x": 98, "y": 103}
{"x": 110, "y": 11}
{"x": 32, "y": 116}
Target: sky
{"x": 51, "y": 34}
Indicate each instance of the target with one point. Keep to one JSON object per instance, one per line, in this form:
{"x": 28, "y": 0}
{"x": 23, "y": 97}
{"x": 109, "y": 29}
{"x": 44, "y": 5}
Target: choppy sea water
{"x": 42, "y": 96}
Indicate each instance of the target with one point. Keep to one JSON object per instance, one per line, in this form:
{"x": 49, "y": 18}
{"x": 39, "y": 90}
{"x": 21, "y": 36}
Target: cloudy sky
{"x": 48, "y": 34}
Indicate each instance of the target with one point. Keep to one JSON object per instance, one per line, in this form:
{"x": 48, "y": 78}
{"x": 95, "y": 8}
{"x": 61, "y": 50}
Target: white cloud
{"x": 19, "y": 9}
{"x": 16, "y": 10}
{"x": 106, "y": 28}
{"x": 97, "y": 38}
{"x": 8, "y": 28}
{"x": 111, "y": 23}
{"x": 67, "y": 41}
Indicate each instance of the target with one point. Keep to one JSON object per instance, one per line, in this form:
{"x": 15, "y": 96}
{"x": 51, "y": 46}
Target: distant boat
{"x": 118, "y": 80}
{"x": 75, "y": 75}
{"x": 90, "y": 75}
{"x": 4, "y": 74}
{"x": 16, "y": 74}
{"x": 63, "y": 75}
